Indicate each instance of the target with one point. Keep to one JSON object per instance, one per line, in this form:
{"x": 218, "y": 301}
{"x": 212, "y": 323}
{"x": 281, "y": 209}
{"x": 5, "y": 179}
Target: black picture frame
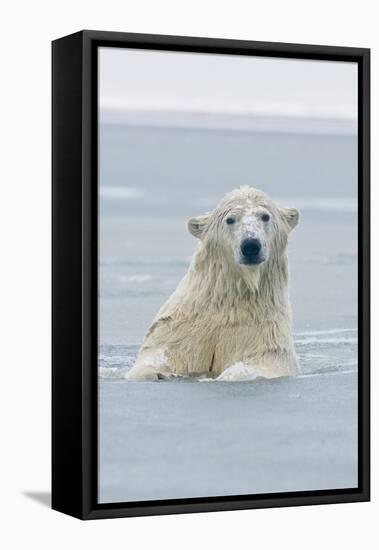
{"x": 74, "y": 272}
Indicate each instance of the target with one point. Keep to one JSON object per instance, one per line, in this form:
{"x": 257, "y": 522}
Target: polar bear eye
{"x": 230, "y": 220}
{"x": 265, "y": 217}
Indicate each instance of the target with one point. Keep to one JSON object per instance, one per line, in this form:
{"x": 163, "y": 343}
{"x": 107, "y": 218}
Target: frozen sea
{"x": 186, "y": 438}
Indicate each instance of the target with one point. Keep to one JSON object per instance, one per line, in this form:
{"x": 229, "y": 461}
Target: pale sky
{"x": 145, "y": 80}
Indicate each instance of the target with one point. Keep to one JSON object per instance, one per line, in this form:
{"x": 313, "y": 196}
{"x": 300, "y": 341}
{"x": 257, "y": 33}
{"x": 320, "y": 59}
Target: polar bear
{"x": 230, "y": 316}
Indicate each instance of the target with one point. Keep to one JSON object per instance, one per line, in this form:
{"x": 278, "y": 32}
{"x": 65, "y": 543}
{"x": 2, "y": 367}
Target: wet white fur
{"x": 225, "y": 317}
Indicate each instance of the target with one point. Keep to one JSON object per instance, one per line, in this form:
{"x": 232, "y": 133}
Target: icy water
{"x": 186, "y": 438}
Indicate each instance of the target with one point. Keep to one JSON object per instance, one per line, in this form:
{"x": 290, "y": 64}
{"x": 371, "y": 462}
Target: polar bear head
{"x": 246, "y": 228}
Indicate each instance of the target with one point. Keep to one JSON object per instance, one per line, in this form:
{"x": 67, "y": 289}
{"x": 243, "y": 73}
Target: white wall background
{"x": 27, "y": 29}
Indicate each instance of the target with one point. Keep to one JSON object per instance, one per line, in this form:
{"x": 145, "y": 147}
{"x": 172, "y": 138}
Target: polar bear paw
{"x": 152, "y": 366}
{"x": 237, "y": 373}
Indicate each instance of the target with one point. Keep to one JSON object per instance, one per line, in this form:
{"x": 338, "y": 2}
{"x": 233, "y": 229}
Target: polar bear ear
{"x": 197, "y": 225}
{"x": 290, "y": 215}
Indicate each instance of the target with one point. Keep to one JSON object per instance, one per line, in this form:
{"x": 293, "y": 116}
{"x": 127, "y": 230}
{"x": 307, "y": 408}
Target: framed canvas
{"x": 191, "y": 177}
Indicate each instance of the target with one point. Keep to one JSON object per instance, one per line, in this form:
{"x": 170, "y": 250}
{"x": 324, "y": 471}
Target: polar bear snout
{"x": 251, "y": 252}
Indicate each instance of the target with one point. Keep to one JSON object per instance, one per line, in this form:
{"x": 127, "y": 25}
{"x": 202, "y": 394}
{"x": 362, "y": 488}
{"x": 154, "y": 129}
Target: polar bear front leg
{"x": 150, "y": 365}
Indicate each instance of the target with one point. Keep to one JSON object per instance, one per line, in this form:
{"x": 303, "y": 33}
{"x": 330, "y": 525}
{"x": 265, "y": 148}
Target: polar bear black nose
{"x": 250, "y": 248}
